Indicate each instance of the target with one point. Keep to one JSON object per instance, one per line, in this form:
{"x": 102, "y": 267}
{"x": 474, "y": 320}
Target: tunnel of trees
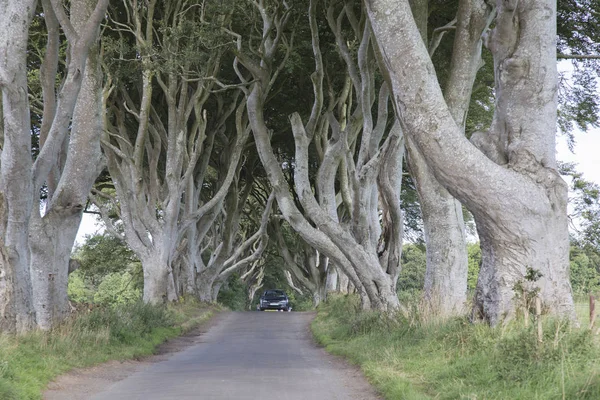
{"x": 380, "y": 147}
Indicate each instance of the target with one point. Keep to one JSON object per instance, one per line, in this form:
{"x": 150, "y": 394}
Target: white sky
{"x": 587, "y": 155}
{"x": 88, "y": 226}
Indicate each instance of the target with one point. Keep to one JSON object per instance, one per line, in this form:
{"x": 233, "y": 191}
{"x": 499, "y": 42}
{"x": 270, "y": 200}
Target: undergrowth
{"x": 30, "y": 361}
{"x": 419, "y": 358}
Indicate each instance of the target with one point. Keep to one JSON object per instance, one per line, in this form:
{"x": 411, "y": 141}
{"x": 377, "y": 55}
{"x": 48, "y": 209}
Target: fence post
{"x": 592, "y": 311}
{"x": 538, "y": 317}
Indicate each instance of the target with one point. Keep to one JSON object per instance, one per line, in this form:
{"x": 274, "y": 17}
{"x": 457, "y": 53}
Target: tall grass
{"x": 421, "y": 358}
{"x": 29, "y": 362}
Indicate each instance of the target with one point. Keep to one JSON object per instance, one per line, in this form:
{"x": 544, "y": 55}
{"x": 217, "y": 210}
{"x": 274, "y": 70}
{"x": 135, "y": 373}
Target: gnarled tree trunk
{"x": 511, "y": 185}
{"x": 16, "y": 188}
{"x": 52, "y": 235}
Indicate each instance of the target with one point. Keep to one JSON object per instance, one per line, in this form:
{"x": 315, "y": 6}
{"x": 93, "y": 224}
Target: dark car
{"x": 274, "y": 300}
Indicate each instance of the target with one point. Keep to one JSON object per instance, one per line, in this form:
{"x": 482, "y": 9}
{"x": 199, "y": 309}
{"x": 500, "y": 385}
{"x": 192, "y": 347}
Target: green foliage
{"x": 78, "y": 290}
{"x": 300, "y": 302}
{"x": 474, "y": 254}
{"x": 101, "y": 255}
{"x": 586, "y": 207}
{"x": 233, "y": 294}
{"x": 412, "y": 275}
{"x": 577, "y": 22}
{"x": 117, "y": 289}
{"x": 109, "y": 274}
{"x": 406, "y": 358}
{"x": 30, "y": 361}
{"x": 585, "y": 269}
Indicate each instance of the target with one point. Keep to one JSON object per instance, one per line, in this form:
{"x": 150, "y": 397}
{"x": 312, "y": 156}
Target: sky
{"x": 586, "y": 153}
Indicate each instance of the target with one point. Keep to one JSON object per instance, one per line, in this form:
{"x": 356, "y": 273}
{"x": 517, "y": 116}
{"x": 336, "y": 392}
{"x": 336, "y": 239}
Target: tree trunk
{"x": 53, "y": 235}
{"x": 445, "y": 289}
{"x": 511, "y": 186}
{"x": 215, "y": 290}
{"x": 319, "y": 295}
{"x": 332, "y": 279}
{"x": 16, "y": 187}
{"x": 52, "y": 239}
{"x": 156, "y": 279}
{"x": 344, "y": 283}
{"x": 204, "y": 284}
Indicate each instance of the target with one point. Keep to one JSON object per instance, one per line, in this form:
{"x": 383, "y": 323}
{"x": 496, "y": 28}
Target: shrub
{"x": 117, "y": 289}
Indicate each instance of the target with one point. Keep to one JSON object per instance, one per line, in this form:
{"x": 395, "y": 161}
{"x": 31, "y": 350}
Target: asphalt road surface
{"x": 248, "y": 355}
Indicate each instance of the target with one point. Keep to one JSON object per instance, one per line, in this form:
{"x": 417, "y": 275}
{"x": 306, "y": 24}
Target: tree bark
{"x": 445, "y": 289}
{"x": 52, "y": 235}
{"x": 516, "y": 195}
{"x": 16, "y": 186}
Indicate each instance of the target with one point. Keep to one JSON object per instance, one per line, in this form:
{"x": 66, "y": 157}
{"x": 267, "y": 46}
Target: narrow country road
{"x": 247, "y": 355}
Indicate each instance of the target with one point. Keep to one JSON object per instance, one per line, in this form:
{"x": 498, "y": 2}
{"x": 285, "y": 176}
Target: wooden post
{"x": 526, "y": 313}
{"x": 538, "y": 317}
{"x": 592, "y": 311}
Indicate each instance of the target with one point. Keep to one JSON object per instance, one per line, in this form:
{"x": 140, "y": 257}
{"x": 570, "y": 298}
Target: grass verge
{"x": 29, "y": 362}
{"x": 408, "y": 359}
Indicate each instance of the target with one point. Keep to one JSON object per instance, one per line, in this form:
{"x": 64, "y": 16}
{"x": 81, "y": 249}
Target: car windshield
{"x": 274, "y": 293}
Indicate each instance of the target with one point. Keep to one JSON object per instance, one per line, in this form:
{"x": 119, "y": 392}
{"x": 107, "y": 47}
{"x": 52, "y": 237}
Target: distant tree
{"x": 117, "y": 289}
{"x": 412, "y": 276}
{"x": 585, "y": 269}
{"x": 79, "y": 291}
{"x": 101, "y": 255}
{"x": 474, "y": 252}
{"x": 109, "y": 272}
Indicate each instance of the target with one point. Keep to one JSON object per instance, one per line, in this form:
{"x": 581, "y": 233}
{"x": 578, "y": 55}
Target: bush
{"x": 77, "y": 290}
{"x": 125, "y": 323}
{"x": 233, "y": 294}
{"x": 117, "y": 289}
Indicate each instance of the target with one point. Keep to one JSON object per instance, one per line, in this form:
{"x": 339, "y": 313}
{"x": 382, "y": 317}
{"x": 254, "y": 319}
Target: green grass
{"x": 408, "y": 359}
{"x": 29, "y": 362}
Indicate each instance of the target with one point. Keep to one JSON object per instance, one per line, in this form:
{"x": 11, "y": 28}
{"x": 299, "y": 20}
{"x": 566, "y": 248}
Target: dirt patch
{"x": 83, "y": 383}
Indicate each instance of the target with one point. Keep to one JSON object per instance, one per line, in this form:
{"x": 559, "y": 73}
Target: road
{"x": 247, "y": 355}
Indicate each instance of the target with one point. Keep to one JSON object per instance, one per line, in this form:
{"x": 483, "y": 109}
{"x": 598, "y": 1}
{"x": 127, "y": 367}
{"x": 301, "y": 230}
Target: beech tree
{"x": 37, "y": 238}
{"x": 304, "y": 265}
{"x": 367, "y": 252}
{"x": 509, "y": 181}
{"x": 233, "y": 246}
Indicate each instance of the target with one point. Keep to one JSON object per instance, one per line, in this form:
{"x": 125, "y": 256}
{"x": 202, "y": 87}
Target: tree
{"x": 39, "y": 237}
{"x": 101, "y": 255}
{"x": 302, "y": 264}
{"x": 510, "y": 182}
{"x": 443, "y": 227}
{"x": 159, "y": 143}
{"x": 366, "y": 251}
